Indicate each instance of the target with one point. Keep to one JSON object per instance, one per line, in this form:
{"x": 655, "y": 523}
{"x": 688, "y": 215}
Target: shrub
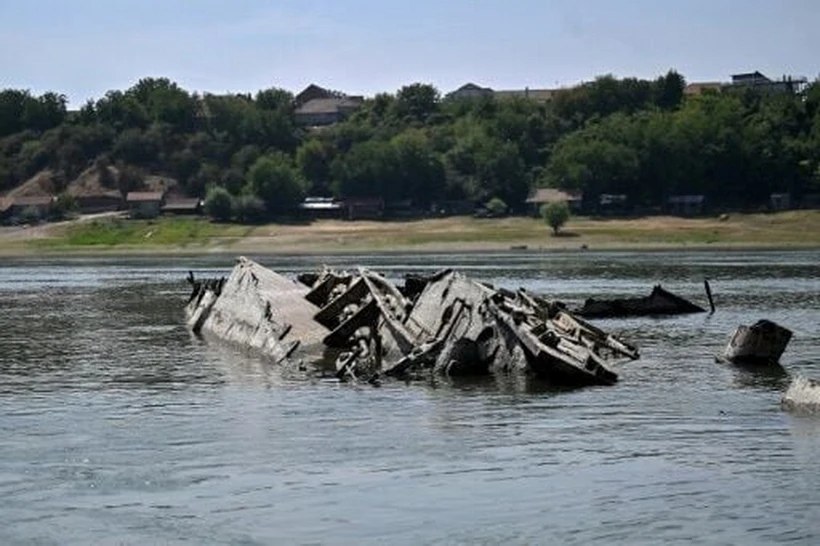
{"x": 496, "y": 207}
{"x": 555, "y": 215}
{"x": 64, "y": 206}
{"x": 30, "y": 215}
{"x": 219, "y": 204}
{"x": 249, "y": 209}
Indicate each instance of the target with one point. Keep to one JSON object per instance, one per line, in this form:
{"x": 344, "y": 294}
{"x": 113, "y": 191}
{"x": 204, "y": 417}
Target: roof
{"x": 5, "y": 204}
{"x": 182, "y": 203}
{"x": 33, "y": 201}
{"x": 552, "y": 195}
{"x": 143, "y": 196}
{"x": 756, "y": 75}
{"x": 314, "y": 91}
{"x": 471, "y": 87}
{"x": 328, "y": 106}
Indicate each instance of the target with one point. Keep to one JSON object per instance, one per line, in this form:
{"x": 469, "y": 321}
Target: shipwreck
{"x": 659, "y": 302}
{"x": 359, "y": 326}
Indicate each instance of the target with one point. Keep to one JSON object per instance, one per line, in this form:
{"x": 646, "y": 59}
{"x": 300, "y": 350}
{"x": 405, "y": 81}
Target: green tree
{"x": 669, "y": 90}
{"x": 416, "y": 102}
{"x": 314, "y": 158}
{"x": 275, "y": 180}
{"x": 129, "y": 178}
{"x": 555, "y": 215}
{"x": 165, "y": 102}
{"x": 248, "y": 209}
{"x": 365, "y": 171}
{"x": 219, "y": 203}
{"x": 417, "y": 172}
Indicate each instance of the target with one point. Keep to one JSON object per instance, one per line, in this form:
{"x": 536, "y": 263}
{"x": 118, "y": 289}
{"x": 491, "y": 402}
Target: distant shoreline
{"x": 168, "y": 237}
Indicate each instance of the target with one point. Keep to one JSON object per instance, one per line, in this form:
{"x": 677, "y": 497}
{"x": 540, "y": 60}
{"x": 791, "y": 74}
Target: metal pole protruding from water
{"x": 709, "y": 294}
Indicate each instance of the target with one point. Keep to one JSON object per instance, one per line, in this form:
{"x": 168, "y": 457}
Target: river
{"x": 117, "y": 426}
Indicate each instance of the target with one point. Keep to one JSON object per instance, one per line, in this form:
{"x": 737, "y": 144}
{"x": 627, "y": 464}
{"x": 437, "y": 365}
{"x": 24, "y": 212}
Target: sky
{"x": 83, "y": 48}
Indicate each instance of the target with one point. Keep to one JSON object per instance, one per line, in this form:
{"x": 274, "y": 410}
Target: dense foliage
{"x": 620, "y": 136}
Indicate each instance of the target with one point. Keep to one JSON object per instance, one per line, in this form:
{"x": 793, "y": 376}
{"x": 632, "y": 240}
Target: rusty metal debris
{"x": 762, "y": 343}
{"x": 659, "y": 302}
{"x": 367, "y": 328}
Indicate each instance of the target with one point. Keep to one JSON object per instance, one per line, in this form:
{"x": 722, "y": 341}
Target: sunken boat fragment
{"x": 762, "y": 343}
{"x": 363, "y": 327}
{"x": 659, "y": 302}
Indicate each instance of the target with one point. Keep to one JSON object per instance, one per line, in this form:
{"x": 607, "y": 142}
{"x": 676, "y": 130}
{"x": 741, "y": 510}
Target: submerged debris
{"x": 762, "y": 343}
{"x": 802, "y": 396}
{"x": 369, "y": 328}
{"x": 659, "y": 302}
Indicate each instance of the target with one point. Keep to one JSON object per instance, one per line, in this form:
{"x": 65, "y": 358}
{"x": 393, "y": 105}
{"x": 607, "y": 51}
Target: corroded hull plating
{"x": 369, "y": 328}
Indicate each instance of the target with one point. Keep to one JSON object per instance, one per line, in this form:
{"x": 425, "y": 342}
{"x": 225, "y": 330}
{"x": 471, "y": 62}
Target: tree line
{"x": 642, "y": 138}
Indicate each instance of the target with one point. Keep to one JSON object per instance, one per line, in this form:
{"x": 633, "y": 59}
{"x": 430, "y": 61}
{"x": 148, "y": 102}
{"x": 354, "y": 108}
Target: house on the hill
{"x": 313, "y": 92}
{"x": 319, "y": 112}
{"x": 758, "y": 82}
{"x": 144, "y": 204}
{"x": 470, "y": 91}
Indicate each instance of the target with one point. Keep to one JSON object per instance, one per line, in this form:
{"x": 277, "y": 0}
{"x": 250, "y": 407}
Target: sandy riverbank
{"x": 798, "y": 229}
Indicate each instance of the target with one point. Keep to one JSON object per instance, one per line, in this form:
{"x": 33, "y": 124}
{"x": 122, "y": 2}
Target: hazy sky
{"x": 85, "y": 47}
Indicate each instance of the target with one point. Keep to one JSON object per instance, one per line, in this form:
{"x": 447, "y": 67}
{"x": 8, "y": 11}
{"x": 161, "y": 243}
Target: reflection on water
{"x": 119, "y": 426}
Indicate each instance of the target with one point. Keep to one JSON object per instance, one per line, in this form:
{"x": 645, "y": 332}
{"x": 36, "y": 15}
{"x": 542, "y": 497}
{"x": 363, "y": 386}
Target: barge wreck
{"x": 359, "y": 326}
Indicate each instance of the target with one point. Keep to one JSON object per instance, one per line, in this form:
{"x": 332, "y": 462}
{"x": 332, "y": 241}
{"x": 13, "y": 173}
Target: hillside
{"x": 639, "y": 143}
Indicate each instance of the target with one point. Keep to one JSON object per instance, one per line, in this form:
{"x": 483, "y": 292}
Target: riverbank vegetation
{"x": 641, "y": 138}
{"x": 793, "y": 229}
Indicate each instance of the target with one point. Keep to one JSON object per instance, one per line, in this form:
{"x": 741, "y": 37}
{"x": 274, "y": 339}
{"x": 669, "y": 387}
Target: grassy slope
{"x": 794, "y": 228}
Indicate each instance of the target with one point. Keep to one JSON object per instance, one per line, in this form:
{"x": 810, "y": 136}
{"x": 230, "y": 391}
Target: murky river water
{"x": 119, "y": 427}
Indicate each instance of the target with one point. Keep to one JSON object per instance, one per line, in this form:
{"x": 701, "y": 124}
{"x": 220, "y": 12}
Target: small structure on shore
{"x": 359, "y": 326}
{"x": 762, "y": 343}
{"x": 142, "y": 204}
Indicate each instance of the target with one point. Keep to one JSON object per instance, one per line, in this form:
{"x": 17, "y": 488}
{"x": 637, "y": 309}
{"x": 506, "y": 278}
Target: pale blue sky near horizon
{"x": 83, "y": 48}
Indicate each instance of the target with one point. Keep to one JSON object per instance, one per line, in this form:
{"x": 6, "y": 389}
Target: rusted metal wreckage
{"x": 363, "y": 327}
{"x": 659, "y": 302}
{"x": 761, "y": 344}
